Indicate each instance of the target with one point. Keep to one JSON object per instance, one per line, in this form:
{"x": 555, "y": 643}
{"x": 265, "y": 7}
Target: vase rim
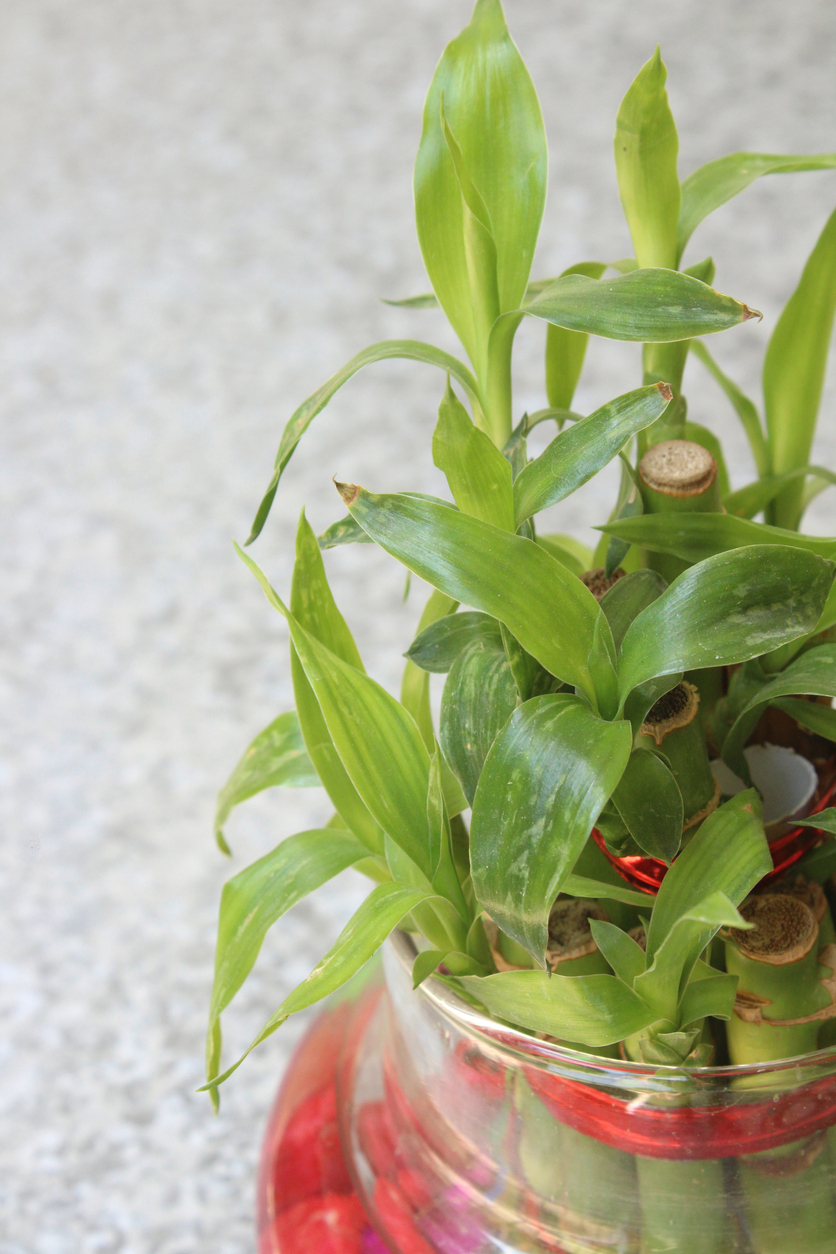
{"x": 513, "y": 1041}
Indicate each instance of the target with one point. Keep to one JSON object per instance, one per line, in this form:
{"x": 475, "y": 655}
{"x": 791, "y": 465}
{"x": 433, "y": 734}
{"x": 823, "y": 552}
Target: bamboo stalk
{"x": 674, "y": 727}
{"x": 786, "y": 1197}
{"x": 677, "y": 476}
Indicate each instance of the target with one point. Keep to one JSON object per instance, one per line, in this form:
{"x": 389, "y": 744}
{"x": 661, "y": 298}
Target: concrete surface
{"x": 200, "y": 204}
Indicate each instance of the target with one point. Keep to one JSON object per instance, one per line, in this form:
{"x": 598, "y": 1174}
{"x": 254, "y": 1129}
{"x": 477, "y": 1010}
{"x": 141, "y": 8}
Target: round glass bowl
{"x": 409, "y": 1122}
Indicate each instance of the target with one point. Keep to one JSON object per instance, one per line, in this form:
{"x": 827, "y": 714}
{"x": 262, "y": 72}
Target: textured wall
{"x": 200, "y": 204}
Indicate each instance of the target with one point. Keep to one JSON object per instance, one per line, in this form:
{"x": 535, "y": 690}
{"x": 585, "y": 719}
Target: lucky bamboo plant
{"x": 583, "y": 691}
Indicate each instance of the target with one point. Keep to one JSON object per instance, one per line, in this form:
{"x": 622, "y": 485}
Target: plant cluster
{"x": 583, "y": 690}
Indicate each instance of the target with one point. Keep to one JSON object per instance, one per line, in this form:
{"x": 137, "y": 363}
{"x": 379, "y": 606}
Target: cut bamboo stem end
{"x": 784, "y": 930}
{"x": 675, "y": 728}
{"x": 677, "y": 708}
{"x": 598, "y": 582}
{"x": 571, "y": 947}
{"x": 678, "y": 468}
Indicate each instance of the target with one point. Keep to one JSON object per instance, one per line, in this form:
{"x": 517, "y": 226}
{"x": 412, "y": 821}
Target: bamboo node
{"x": 678, "y": 468}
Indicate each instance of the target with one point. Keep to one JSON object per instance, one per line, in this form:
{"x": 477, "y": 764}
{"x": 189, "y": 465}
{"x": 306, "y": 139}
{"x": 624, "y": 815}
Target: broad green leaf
{"x": 253, "y": 900}
{"x": 298, "y": 423}
{"x": 543, "y": 785}
{"x": 626, "y": 599}
{"x": 585, "y": 1009}
{"x": 582, "y": 886}
{"x": 659, "y": 984}
{"x": 793, "y": 371}
{"x": 429, "y": 300}
{"x": 276, "y": 756}
{"x": 440, "y": 921}
{"x": 694, "y": 537}
{"x": 628, "y": 505}
{"x": 315, "y": 609}
{"x": 820, "y": 719}
{"x": 653, "y": 306}
{"x": 649, "y": 802}
{"x": 745, "y": 409}
{"x": 579, "y": 452}
{"x": 825, "y": 820}
{"x": 625, "y": 956}
{"x": 478, "y": 475}
{"x": 491, "y": 108}
{"x": 646, "y": 149}
{"x": 344, "y": 531}
{"x": 568, "y": 551}
{"x": 565, "y": 350}
{"x": 385, "y": 907}
{"x": 429, "y": 960}
{"x": 378, "y": 741}
{"x": 436, "y": 648}
{"x": 726, "y": 609}
{"x": 713, "y": 996}
{"x": 811, "y": 674}
{"x": 748, "y": 501}
{"x": 506, "y": 576}
{"x": 478, "y": 699}
{"x": 530, "y": 678}
{"x": 728, "y": 854}
{"x": 713, "y": 184}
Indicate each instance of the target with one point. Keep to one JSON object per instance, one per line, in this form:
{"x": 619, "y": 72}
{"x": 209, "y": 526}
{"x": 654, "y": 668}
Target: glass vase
{"x": 409, "y": 1122}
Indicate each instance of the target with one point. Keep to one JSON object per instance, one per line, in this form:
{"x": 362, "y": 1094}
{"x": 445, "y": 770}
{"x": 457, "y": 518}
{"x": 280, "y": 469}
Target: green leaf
{"x": 745, "y": 409}
{"x": 582, "y": 886}
{"x": 819, "y": 719}
{"x": 675, "y": 956}
{"x": 542, "y": 787}
{"x": 649, "y": 802}
{"x": 436, "y": 648}
{"x": 478, "y": 475}
{"x": 579, "y": 452}
{"x": 626, "y": 599}
{"x": 565, "y": 350}
{"x": 378, "y": 741}
{"x": 712, "y": 997}
{"x": 478, "y": 699}
{"x": 628, "y": 505}
{"x": 344, "y": 531}
{"x": 253, "y": 900}
{"x": 694, "y": 537}
{"x": 811, "y": 674}
{"x": 585, "y": 1009}
{"x": 315, "y": 609}
{"x": 825, "y": 820}
{"x": 425, "y": 300}
{"x": 726, "y": 609}
{"x": 277, "y": 756}
{"x": 506, "y": 576}
{"x": 384, "y": 908}
{"x": 713, "y": 184}
{"x": 568, "y": 551}
{"x": 625, "y": 956}
{"x": 429, "y": 960}
{"x": 653, "y": 306}
{"x": 728, "y": 854}
{"x": 491, "y": 107}
{"x": 748, "y": 501}
{"x": 298, "y": 423}
{"x": 646, "y": 149}
{"x": 793, "y": 371}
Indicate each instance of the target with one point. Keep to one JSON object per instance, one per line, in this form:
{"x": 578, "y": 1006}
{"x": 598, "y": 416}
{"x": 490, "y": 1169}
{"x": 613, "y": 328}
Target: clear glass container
{"x": 411, "y": 1123}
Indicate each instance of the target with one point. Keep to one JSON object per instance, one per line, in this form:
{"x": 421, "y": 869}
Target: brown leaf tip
{"x": 665, "y": 391}
{"x": 348, "y": 491}
{"x": 751, "y": 313}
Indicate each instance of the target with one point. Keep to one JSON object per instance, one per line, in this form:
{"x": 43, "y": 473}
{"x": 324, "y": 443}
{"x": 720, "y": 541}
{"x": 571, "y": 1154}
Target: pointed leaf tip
{"x": 751, "y": 313}
{"x": 665, "y": 391}
{"x": 348, "y": 491}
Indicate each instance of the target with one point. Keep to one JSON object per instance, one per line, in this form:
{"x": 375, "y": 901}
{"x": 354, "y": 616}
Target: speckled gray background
{"x": 200, "y": 204}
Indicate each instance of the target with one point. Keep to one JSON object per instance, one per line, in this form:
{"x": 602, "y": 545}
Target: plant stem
{"x": 677, "y": 476}
{"x": 683, "y": 1206}
{"x": 787, "y": 1199}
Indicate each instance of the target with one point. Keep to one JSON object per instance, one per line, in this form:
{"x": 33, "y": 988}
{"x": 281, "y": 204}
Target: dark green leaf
{"x": 626, "y": 599}
{"x": 825, "y": 820}
{"x": 793, "y": 371}
{"x": 580, "y": 451}
{"x": 655, "y": 306}
{"x": 253, "y": 900}
{"x": 481, "y": 78}
{"x": 506, "y": 576}
{"x": 646, "y": 149}
{"x": 713, "y": 184}
{"x": 276, "y": 756}
{"x": 726, "y": 609}
{"x": 650, "y": 804}
{"x": 298, "y": 423}
{"x": 586, "y": 1009}
{"x": 479, "y": 698}
{"x": 478, "y": 475}
{"x": 625, "y": 956}
{"x": 543, "y": 785}
{"x": 694, "y": 537}
{"x": 436, "y": 648}
{"x": 565, "y": 350}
